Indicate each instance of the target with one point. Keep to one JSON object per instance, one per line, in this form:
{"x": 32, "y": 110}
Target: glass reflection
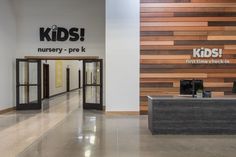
{"x": 92, "y": 94}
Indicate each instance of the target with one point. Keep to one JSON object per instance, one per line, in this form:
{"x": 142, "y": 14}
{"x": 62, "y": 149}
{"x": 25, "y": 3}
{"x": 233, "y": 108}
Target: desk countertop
{"x": 188, "y": 98}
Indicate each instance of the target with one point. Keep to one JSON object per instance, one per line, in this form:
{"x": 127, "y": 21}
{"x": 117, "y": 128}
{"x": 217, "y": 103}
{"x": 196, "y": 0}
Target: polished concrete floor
{"x": 81, "y": 133}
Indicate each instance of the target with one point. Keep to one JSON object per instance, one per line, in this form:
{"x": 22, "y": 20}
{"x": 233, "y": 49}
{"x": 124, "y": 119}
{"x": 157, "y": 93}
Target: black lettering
{"x": 74, "y": 34}
{"x": 82, "y": 32}
{"x": 54, "y": 35}
{"x": 77, "y": 49}
{"x": 70, "y": 50}
{"x": 62, "y": 34}
{"x": 82, "y": 49}
{"x": 44, "y": 34}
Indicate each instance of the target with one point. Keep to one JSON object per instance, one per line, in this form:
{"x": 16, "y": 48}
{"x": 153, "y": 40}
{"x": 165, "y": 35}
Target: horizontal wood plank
{"x": 221, "y": 38}
{"x": 175, "y": 75}
{"x": 184, "y": 9}
{"x": 182, "y": 36}
{"x": 188, "y": 5}
{"x": 198, "y": 21}
{"x": 165, "y": 57}
{"x": 157, "y": 43}
{"x": 174, "y": 23}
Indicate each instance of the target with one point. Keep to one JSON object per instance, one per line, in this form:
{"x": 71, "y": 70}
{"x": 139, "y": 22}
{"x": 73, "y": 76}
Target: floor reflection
{"x": 19, "y": 129}
{"x": 93, "y": 134}
{"x": 66, "y": 130}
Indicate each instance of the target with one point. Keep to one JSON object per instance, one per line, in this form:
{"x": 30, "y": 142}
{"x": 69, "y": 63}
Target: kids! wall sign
{"x": 207, "y": 56}
{"x": 57, "y": 34}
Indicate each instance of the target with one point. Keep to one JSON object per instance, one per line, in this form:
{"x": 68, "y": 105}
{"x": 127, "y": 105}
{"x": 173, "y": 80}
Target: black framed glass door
{"x": 93, "y": 84}
{"x": 28, "y": 84}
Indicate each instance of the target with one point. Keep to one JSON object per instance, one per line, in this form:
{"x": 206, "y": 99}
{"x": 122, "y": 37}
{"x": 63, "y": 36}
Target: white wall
{"x": 122, "y": 55}
{"x": 33, "y": 14}
{"x": 7, "y": 50}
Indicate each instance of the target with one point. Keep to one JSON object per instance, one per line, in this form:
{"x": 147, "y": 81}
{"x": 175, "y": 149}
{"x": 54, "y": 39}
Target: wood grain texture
{"x": 187, "y": 66}
{"x": 213, "y": 21}
{"x": 192, "y": 33}
{"x": 183, "y": 47}
{"x": 188, "y": 5}
{"x": 221, "y": 38}
{"x": 184, "y": 9}
{"x": 229, "y": 51}
{"x": 200, "y": 14}
{"x": 165, "y": 57}
{"x": 205, "y": 42}
{"x": 165, "y": 1}
{"x": 170, "y": 30}
{"x": 173, "y": 23}
{"x": 174, "y": 75}
{"x": 181, "y": 36}
{"x": 156, "y": 33}
{"x": 143, "y": 70}
{"x": 230, "y": 47}
{"x": 213, "y": 1}
{"x": 193, "y": 28}
{"x": 221, "y": 33}
{"x": 157, "y": 42}
{"x": 224, "y": 23}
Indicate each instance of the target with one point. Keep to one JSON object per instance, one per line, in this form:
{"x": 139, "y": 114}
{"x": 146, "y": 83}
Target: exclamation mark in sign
{"x": 220, "y": 53}
{"x": 82, "y": 32}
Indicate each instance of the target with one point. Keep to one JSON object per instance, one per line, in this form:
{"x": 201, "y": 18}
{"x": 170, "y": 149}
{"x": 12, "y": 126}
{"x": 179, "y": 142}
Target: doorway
{"x": 46, "y": 80}
{"x": 28, "y": 84}
{"x": 93, "y": 85}
{"x": 28, "y": 81}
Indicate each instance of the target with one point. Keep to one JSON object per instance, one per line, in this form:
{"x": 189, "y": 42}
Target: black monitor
{"x": 186, "y": 86}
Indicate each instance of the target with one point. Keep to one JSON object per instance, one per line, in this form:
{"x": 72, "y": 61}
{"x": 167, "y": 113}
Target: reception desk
{"x": 187, "y": 115}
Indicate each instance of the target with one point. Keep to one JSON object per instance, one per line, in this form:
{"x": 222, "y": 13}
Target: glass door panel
{"x": 92, "y": 83}
{"x": 92, "y": 94}
{"x": 28, "y": 83}
{"x": 33, "y": 73}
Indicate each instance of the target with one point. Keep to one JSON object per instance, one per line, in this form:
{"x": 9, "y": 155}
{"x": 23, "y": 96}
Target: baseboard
{"x": 74, "y": 89}
{"x": 51, "y": 96}
{"x": 63, "y": 93}
{"x": 123, "y": 113}
{"x": 7, "y": 110}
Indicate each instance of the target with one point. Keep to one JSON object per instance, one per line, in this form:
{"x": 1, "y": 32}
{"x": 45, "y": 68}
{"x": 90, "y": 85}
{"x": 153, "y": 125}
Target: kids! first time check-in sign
{"x": 207, "y": 56}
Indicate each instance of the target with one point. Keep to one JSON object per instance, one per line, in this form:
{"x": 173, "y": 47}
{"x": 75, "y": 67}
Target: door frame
{"x": 79, "y": 78}
{"x": 98, "y": 106}
{"x": 28, "y": 105}
{"x": 67, "y": 79}
{"x": 46, "y": 86}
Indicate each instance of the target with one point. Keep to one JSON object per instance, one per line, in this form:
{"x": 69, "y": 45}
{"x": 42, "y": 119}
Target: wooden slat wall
{"x": 170, "y": 29}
